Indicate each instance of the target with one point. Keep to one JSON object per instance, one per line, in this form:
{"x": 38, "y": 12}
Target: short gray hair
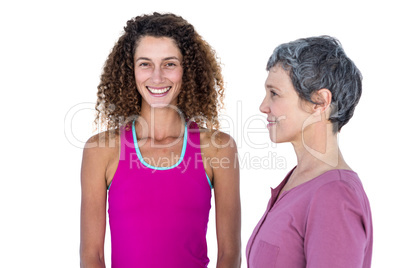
{"x": 320, "y": 62}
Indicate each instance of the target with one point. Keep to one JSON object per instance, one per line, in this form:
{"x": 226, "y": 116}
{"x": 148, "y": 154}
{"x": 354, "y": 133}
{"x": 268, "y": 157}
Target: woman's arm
{"x": 225, "y": 166}
{"x": 336, "y": 235}
{"x": 95, "y": 162}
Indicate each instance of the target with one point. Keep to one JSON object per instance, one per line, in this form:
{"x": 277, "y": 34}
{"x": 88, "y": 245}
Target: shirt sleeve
{"x": 335, "y": 231}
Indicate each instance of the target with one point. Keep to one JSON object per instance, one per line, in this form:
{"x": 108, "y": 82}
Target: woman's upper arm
{"x": 93, "y": 200}
{"x": 227, "y": 199}
{"x": 335, "y": 231}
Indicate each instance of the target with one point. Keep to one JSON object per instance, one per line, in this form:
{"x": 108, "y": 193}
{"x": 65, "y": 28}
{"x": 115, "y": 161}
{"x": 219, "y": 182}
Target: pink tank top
{"x": 158, "y": 216}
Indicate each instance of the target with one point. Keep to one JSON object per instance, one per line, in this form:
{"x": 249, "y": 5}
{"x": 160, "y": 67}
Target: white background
{"x": 51, "y": 57}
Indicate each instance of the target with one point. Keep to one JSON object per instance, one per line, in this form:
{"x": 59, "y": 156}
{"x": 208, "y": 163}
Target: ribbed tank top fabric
{"x": 159, "y": 217}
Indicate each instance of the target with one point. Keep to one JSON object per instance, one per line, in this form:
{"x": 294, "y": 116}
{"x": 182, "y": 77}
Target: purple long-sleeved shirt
{"x": 325, "y": 222}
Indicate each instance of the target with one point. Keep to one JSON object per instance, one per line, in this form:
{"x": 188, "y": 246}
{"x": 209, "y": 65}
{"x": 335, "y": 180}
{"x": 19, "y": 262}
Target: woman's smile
{"x": 271, "y": 123}
{"x": 158, "y": 91}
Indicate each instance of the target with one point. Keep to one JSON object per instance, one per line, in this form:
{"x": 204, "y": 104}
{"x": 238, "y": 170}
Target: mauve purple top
{"x": 158, "y": 216}
{"x": 323, "y": 223}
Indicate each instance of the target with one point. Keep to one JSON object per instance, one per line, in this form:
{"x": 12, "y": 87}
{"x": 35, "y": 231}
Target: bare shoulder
{"x": 101, "y": 154}
{"x": 103, "y": 143}
{"x": 219, "y": 154}
{"x": 217, "y": 143}
{"x": 106, "y": 139}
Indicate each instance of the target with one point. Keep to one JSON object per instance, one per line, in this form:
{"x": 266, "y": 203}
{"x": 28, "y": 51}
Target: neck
{"x": 318, "y": 149}
{"x": 159, "y": 123}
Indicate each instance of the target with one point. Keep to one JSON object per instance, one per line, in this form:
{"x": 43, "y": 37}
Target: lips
{"x": 271, "y": 122}
{"x": 158, "y": 90}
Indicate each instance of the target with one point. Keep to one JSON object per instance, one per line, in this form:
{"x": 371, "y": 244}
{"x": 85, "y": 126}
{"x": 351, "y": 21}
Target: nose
{"x": 157, "y": 75}
{"x": 264, "y": 107}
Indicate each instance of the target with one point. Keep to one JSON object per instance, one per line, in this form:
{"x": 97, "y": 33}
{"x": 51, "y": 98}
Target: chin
{"x": 273, "y": 137}
{"x": 276, "y": 139}
{"x": 161, "y": 105}
{"x": 156, "y": 103}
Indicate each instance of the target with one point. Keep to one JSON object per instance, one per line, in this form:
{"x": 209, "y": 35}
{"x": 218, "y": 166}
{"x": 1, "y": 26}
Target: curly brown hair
{"x": 202, "y": 83}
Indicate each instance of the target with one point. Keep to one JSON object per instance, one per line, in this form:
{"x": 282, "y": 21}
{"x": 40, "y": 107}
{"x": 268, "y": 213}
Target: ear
{"x": 322, "y": 98}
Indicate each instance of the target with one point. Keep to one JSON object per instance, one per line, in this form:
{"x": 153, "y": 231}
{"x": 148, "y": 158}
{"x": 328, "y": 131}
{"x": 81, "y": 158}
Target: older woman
{"x": 157, "y": 163}
{"x": 319, "y": 216}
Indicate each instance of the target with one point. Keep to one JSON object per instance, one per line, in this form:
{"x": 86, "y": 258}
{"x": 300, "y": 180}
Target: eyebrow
{"x": 167, "y": 58}
{"x": 269, "y": 86}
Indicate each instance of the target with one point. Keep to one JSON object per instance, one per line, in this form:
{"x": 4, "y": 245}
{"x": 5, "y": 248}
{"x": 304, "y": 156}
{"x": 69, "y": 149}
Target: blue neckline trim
{"x": 137, "y": 149}
{"x": 209, "y": 181}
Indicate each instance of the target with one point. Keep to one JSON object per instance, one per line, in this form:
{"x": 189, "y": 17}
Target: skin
{"x": 304, "y": 124}
{"x": 159, "y": 132}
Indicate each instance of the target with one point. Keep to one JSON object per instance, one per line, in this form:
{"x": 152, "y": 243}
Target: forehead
{"x": 278, "y": 78}
{"x": 150, "y": 47}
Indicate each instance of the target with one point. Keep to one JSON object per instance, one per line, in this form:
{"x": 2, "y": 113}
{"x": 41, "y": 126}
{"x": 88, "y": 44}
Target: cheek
{"x": 176, "y": 76}
{"x": 141, "y": 75}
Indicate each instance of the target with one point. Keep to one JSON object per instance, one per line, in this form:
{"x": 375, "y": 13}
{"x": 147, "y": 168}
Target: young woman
{"x": 162, "y": 155}
{"x": 319, "y": 216}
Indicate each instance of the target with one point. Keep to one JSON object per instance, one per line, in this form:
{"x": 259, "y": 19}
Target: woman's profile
{"x": 319, "y": 216}
{"x": 161, "y": 155}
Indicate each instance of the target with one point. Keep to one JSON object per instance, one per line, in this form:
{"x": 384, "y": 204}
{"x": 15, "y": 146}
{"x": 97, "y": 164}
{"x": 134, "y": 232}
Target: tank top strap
{"x": 193, "y": 140}
{"x": 194, "y": 148}
{"x": 127, "y": 146}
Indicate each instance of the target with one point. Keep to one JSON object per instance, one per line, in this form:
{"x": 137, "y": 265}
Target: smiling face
{"x": 286, "y": 112}
{"x": 158, "y": 71}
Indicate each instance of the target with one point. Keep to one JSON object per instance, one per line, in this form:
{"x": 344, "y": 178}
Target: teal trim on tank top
{"x": 183, "y": 151}
{"x": 137, "y": 149}
{"x": 209, "y": 181}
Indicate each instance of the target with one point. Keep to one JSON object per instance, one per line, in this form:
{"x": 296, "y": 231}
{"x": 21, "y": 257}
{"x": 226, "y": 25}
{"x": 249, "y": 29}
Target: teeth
{"x": 158, "y": 91}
